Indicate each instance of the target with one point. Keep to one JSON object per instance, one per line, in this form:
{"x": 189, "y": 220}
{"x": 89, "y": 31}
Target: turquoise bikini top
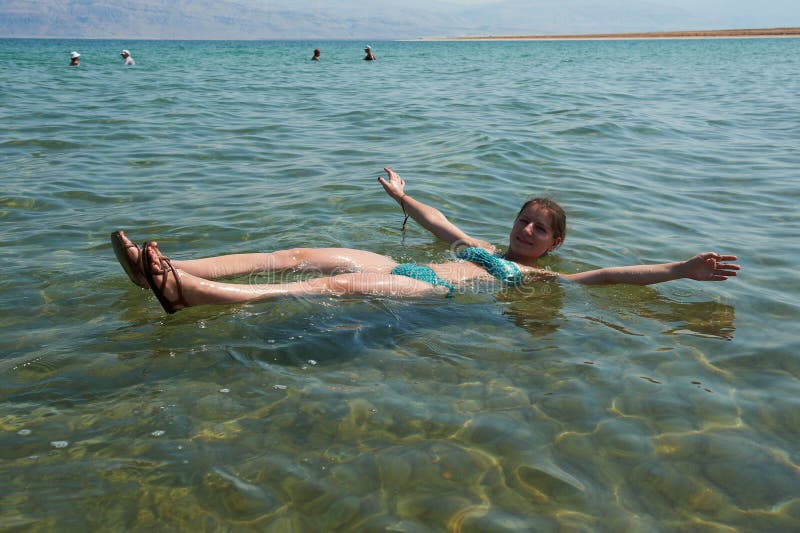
{"x": 504, "y": 270}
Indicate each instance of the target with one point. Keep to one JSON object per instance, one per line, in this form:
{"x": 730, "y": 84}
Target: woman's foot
{"x": 129, "y": 258}
{"x": 163, "y": 279}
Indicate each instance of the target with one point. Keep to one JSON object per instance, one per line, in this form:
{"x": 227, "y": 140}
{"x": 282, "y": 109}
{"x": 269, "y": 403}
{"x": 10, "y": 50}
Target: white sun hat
{"x": 73, "y": 55}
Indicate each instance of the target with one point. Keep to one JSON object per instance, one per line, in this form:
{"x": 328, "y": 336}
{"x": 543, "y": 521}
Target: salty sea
{"x": 555, "y": 407}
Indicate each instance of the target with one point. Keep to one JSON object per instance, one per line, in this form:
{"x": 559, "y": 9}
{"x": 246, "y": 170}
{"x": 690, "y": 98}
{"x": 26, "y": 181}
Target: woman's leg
{"x": 176, "y": 284}
{"x": 323, "y": 260}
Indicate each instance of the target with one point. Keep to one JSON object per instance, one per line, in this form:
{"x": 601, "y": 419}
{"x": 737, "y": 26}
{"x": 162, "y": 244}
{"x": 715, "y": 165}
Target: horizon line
{"x": 790, "y": 31}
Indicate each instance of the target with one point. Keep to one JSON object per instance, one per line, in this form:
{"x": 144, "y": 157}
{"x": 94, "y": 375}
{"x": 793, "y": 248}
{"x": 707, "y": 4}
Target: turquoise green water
{"x": 554, "y": 407}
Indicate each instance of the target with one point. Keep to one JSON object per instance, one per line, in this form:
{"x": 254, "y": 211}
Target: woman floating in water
{"x": 539, "y": 228}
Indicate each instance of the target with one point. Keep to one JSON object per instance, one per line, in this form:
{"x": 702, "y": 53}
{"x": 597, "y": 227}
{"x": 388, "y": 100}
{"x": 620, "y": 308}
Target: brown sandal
{"x": 133, "y": 269}
{"x": 166, "y": 270}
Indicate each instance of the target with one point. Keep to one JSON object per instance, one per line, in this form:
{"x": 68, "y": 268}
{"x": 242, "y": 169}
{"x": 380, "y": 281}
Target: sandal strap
{"x": 166, "y": 269}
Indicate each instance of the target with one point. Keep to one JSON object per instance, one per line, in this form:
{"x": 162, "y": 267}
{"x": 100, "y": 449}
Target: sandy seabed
{"x": 692, "y": 34}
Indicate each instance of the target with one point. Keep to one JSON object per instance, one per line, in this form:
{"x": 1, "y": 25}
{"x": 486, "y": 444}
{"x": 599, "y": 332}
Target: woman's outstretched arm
{"x": 708, "y": 266}
{"x": 426, "y": 216}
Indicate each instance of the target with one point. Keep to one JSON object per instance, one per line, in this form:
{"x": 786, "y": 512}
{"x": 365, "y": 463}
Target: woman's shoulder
{"x": 477, "y": 243}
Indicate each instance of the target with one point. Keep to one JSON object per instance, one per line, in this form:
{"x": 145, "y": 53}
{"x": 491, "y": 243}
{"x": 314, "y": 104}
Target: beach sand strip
{"x": 692, "y": 34}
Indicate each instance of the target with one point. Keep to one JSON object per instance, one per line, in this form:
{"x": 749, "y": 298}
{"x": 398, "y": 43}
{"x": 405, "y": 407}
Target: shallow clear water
{"x": 671, "y": 407}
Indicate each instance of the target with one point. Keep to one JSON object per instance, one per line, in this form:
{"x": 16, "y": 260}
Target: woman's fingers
{"x": 726, "y": 270}
{"x": 393, "y": 175}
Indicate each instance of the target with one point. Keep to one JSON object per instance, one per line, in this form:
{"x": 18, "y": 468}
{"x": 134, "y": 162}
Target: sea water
{"x": 553, "y": 407}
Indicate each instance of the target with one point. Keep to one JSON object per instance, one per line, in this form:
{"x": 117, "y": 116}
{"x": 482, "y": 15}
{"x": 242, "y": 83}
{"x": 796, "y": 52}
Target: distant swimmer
{"x": 126, "y": 55}
{"x": 316, "y": 55}
{"x": 370, "y": 56}
{"x": 74, "y": 59}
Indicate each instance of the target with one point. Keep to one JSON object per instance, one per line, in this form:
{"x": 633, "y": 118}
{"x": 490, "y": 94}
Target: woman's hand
{"x": 395, "y": 185}
{"x": 709, "y": 266}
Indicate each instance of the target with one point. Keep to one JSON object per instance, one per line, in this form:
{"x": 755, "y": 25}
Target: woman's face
{"x": 532, "y": 234}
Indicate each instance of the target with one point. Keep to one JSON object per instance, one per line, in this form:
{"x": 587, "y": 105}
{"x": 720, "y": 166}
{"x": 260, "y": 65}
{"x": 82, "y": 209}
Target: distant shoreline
{"x": 691, "y": 34}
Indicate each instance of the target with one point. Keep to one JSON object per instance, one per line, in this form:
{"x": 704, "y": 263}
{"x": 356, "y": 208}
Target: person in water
{"x": 126, "y": 58}
{"x": 315, "y": 57}
{"x": 539, "y": 228}
{"x": 370, "y": 56}
{"x": 74, "y": 59}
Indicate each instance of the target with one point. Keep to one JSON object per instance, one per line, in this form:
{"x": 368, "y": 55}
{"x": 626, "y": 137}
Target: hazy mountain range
{"x": 378, "y": 19}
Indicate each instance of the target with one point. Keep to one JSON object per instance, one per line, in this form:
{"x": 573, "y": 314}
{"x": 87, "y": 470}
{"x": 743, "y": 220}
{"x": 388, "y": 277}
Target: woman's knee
{"x": 291, "y": 258}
